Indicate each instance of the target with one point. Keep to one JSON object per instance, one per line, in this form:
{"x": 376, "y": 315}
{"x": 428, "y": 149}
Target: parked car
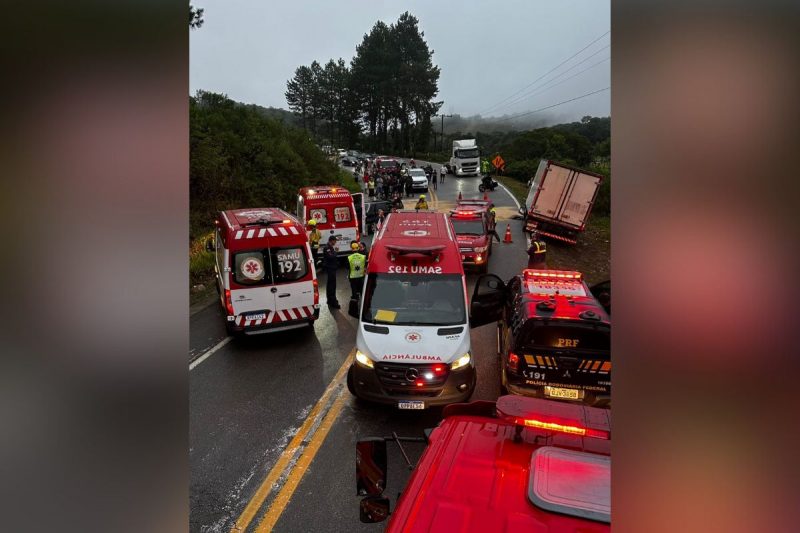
{"x": 349, "y": 161}
{"x": 420, "y": 180}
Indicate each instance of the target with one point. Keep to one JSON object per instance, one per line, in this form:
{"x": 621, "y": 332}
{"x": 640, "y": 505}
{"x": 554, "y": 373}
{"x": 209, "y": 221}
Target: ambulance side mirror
{"x": 209, "y": 245}
{"x": 487, "y": 301}
{"x": 371, "y": 466}
{"x": 374, "y": 509}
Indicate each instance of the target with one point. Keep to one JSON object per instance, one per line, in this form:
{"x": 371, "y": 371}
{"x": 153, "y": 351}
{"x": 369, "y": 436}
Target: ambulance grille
{"x": 400, "y": 377}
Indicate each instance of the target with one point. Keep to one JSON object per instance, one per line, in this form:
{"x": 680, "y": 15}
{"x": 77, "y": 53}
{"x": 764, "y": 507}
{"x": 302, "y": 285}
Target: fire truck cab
{"x": 471, "y": 222}
{"x": 518, "y": 464}
{"x": 413, "y": 339}
{"x": 335, "y": 210}
{"x": 264, "y": 271}
{"x": 553, "y": 336}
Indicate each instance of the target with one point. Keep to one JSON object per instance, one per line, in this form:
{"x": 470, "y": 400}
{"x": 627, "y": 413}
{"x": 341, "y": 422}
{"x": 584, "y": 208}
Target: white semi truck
{"x": 465, "y": 159}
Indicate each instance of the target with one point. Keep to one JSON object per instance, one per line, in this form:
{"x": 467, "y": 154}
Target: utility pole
{"x": 441, "y": 145}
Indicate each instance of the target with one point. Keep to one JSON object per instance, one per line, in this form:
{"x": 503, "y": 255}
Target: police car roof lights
{"x": 551, "y": 274}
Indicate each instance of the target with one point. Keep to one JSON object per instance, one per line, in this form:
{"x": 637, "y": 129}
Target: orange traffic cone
{"x": 507, "y": 238}
{"x": 485, "y": 196}
{"x": 459, "y": 196}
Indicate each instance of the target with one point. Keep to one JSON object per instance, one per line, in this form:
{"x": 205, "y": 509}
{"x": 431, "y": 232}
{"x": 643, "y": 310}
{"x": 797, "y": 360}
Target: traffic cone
{"x": 459, "y": 196}
{"x": 507, "y": 238}
{"x": 485, "y": 196}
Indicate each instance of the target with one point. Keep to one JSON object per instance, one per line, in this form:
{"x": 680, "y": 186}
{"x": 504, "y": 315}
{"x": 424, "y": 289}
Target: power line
{"x": 545, "y": 74}
{"x": 554, "y": 105}
{"x": 543, "y": 89}
{"x": 536, "y": 89}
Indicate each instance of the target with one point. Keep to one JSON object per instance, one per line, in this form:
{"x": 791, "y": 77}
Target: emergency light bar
{"x": 551, "y": 274}
{"x": 550, "y": 415}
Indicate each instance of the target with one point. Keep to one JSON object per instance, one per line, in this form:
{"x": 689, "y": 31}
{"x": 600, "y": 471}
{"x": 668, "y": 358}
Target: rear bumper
{"x": 367, "y": 386}
{"x": 272, "y": 327}
{"x": 518, "y": 386}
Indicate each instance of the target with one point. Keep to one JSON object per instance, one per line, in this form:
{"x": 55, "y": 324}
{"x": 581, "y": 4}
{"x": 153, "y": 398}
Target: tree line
{"x": 382, "y": 101}
{"x": 242, "y": 157}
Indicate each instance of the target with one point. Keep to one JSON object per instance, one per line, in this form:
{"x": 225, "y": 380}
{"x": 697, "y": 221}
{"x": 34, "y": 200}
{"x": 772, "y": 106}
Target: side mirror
{"x": 374, "y": 509}
{"x": 209, "y": 245}
{"x": 522, "y": 211}
{"x": 352, "y": 308}
{"x": 371, "y": 467}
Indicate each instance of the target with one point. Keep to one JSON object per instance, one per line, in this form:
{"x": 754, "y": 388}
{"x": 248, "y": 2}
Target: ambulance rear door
{"x": 252, "y": 297}
{"x": 293, "y": 282}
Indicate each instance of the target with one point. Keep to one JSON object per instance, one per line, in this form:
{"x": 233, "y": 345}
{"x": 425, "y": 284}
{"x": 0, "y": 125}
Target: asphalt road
{"x": 272, "y": 426}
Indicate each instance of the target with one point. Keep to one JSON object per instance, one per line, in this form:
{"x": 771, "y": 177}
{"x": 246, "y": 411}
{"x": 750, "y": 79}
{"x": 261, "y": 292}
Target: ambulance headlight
{"x": 464, "y": 360}
{"x": 363, "y": 359}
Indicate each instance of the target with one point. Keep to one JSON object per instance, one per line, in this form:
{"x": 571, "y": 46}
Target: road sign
{"x": 498, "y": 162}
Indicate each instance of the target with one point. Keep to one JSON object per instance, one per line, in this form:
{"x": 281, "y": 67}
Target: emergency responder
{"x": 314, "y": 239}
{"x": 421, "y": 203}
{"x": 485, "y": 168}
{"x": 358, "y": 265}
{"x": 371, "y": 188}
{"x": 330, "y": 262}
{"x": 537, "y": 252}
{"x": 493, "y": 223}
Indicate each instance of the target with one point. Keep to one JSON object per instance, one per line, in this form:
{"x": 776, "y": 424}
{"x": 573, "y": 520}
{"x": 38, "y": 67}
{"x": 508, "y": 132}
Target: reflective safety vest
{"x": 358, "y": 263}
{"x": 314, "y": 238}
{"x": 421, "y": 204}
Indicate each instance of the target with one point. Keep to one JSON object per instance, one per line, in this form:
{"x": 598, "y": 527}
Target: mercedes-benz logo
{"x": 412, "y": 374}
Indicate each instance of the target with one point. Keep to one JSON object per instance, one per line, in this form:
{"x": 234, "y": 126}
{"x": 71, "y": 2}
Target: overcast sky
{"x": 487, "y": 51}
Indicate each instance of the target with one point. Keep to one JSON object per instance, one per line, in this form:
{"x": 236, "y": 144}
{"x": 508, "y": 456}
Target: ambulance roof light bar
{"x": 529, "y": 273}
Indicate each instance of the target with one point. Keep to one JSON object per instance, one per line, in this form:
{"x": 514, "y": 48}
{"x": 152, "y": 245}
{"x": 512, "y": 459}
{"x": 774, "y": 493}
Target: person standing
{"x": 371, "y": 188}
{"x": 537, "y": 253}
{"x": 442, "y": 172}
{"x": 358, "y": 265}
{"x": 314, "y": 239}
{"x": 421, "y": 203}
{"x": 330, "y": 262}
{"x": 493, "y": 223}
{"x": 380, "y": 221}
{"x": 435, "y": 179}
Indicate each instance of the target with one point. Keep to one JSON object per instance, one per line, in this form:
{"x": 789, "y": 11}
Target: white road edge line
{"x": 209, "y": 353}
{"x": 511, "y": 195}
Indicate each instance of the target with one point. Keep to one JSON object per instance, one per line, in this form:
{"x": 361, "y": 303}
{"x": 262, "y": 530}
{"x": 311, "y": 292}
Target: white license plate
{"x": 411, "y": 404}
{"x": 257, "y": 316}
{"x": 559, "y": 392}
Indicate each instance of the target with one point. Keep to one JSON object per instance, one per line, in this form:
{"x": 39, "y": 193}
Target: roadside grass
{"x": 517, "y": 188}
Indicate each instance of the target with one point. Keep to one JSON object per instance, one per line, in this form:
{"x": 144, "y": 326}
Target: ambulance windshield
{"x": 467, "y": 226}
{"x": 414, "y": 299}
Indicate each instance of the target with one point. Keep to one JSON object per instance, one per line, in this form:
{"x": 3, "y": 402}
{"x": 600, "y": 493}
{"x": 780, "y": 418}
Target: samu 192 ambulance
{"x": 413, "y": 340}
{"x": 265, "y": 276}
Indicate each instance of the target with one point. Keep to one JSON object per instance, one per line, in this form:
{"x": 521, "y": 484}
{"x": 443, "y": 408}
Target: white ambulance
{"x": 264, "y": 270}
{"x": 413, "y": 340}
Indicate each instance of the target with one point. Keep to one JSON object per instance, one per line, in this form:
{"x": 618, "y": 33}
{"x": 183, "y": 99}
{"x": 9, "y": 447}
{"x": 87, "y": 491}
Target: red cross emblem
{"x": 413, "y": 337}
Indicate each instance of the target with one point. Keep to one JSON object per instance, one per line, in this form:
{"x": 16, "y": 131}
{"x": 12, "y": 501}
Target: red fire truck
{"x": 518, "y": 464}
{"x": 471, "y": 223}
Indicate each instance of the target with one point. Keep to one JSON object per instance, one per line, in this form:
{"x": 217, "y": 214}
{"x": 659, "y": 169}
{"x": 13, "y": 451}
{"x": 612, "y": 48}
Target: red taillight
{"x": 513, "y": 361}
{"x": 562, "y": 427}
{"x": 316, "y": 292}
{"x": 228, "y": 303}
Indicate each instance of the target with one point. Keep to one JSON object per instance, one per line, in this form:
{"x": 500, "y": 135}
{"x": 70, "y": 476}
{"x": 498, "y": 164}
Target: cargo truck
{"x": 465, "y": 159}
{"x": 559, "y": 200}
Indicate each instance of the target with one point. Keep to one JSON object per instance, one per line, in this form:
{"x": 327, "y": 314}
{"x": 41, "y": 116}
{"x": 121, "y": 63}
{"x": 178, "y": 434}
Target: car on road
{"x": 517, "y": 464}
{"x": 419, "y": 179}
{"x": 553, "y": 334}
{"x": 349, "y": 161}
{"x": 264, "y": 271}
{"x": 413, "y": 340}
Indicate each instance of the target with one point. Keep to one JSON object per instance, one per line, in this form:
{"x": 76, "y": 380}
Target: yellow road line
{"x": 265, "y": 488}
{"x": 282, "y": 499}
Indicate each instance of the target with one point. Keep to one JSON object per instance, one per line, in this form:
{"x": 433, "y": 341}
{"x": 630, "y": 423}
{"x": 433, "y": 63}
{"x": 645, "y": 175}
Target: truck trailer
{"x": 560, "y": 200}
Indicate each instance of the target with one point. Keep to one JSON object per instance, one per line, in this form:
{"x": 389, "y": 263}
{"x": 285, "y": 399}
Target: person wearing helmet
{"x": 358, "y": 265}
{"x": 537, "y": 253}
{"x": 314, "y": 239}
{"x": 421, "y": 203}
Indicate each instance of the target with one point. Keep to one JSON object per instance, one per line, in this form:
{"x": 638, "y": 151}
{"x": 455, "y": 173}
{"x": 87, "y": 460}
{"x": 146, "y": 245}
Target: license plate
{"x": 256, "y": 316}
{"x": 411, "y": 404}
{"x": 567, "y": 394}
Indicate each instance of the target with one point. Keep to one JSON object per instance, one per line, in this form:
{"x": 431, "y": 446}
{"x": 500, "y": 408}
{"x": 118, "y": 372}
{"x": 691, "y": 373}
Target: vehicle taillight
{"x": 316, "y": 292}
{"x": 228, "y": 303}
{"x": 513, "y": 361}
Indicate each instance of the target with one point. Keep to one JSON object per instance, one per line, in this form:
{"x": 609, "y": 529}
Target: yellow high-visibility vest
{"x": 358, "y": 264}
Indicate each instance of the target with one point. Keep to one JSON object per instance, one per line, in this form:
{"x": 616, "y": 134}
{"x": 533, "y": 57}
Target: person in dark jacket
{"x": 330, "y": 262}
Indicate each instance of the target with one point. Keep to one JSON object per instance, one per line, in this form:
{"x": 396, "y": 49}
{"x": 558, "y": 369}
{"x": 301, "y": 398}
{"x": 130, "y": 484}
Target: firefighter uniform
{"x": 421, "y": 203}
{"x": 358, "y": 265}
{"x": 313, "y": 239}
